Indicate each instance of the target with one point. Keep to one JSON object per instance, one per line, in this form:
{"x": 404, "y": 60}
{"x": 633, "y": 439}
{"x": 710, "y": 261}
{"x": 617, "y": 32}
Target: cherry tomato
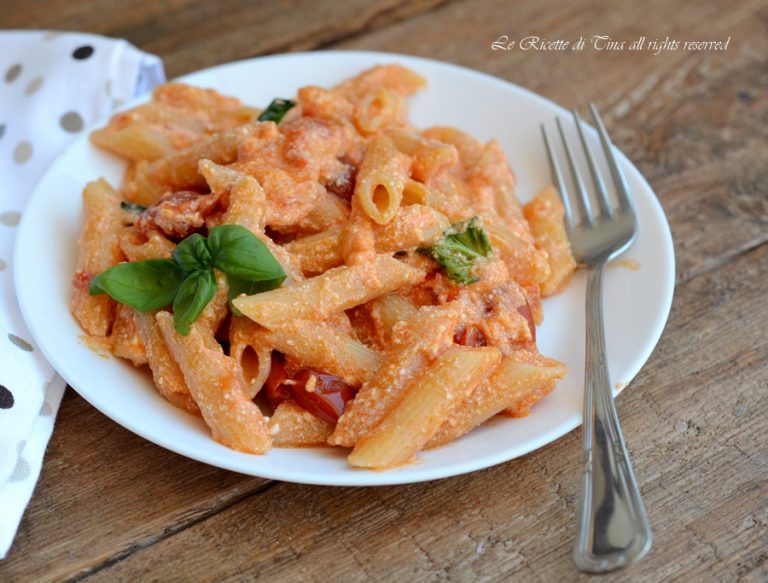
{"x": 323, "y": 395}
{"x": 328, "y": 396}
{"x": 470, "y": 336}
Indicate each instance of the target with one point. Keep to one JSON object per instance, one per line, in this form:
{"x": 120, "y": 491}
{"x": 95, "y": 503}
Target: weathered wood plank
{"x": 194, "y": 34}
{"x": 691, "y": 121}
{"x": 696, "y": 431}
{"x": 105, "y": 491}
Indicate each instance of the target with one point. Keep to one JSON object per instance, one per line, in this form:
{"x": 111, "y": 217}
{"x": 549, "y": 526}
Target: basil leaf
{"x": 238, "y": 252}
{"x": 239, "y": 286}
{"x": 192, "y": 254}
{"x": 193, "y": 295}
{"x": 132, "y": 207}
{"x": 143, "y": 285}
{"x": 458, "y": 251}
{"x": 276, "y": 110}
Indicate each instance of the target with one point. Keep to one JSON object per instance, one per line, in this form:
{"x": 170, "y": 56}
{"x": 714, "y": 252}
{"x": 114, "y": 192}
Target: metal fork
{"x": 612, "y": 528}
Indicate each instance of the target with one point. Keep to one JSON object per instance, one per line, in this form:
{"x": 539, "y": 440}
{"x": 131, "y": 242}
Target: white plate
{"x": 637, "y": 302}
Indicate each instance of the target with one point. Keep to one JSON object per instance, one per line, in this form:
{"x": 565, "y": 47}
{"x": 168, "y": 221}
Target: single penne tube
{"x": 235, "y": 421}
{"x": 137, "y": 141}
{"x": 328, "y": 212}
{"x": 545, "y": 216}
{"x": 521, "y": 380}
{"x": 468, "y": 147}
{"x": 415, "y": 344}
{"x": 126, "y": 343}
{"x": 358, "y": 242}
{"x": 336, "y": 290}
{"x": 526, "y": 263}
{"x": 430, "y": 157}
{"x": 247, "y": 202}
{"x": 98, "y": 250}
{"x": 378, "y": 110}
{"x": 413, "y": 226}
{"x": 387, "y": 311}
{"x": 381, "y": 179}
{"x": 294, "y": 426}
{"x": 319, "y": 252}
{"x": 179, "y": 170}
{"x": 322, "y": 103}
{"x": 166, "y": 373}
{"x": 138, "y": 246}
{"x": 427, "y": 402}
{"x": 252, "y": 351}
{"x": 392, "y": 77}
{"x": 492, "y": 185}
{"x": 322, "y": 347}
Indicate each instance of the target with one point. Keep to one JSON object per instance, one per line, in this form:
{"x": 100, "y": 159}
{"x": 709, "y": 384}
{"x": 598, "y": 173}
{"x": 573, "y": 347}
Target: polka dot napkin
{"x": 53, "y": 85}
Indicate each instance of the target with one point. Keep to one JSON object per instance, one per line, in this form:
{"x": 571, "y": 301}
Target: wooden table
{"x": 110, "y": 506}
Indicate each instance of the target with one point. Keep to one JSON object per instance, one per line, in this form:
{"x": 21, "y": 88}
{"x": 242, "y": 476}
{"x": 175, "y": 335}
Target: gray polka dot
{"x": 12, "y": 73}
{"x": 117, "y": 102}
{"x": 2, "y": 130}
{"x": 33, "y": 86}
{"x": 20, "y": 472}
{"x": 23, "y": 152}
{"x": 23, "y": 344}
{"x": 3, "y": 265}
{"x": 52, "y": 34}
{"x": 46, "y": 410}
{"x": 71, "y": 122}
{"x": 108, "y": 87}
{"x": 10, "y": 218}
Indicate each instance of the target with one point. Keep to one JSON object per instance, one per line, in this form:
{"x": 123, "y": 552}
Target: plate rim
{"x": 359, "y": 477}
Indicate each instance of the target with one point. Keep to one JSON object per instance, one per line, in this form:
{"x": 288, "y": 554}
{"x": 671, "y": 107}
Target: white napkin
{"x": 52, "y": 86}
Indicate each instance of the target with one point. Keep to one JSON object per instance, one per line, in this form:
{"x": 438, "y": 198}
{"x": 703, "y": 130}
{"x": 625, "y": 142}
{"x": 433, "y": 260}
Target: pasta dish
{"x": 320, "y": 272}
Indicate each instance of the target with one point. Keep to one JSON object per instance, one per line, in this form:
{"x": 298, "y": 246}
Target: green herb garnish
{"x": 276, "y": 110}
{"x": 462, "y": 245}
{"x": 132, "y": 207}
{"x": 187, "y": 280}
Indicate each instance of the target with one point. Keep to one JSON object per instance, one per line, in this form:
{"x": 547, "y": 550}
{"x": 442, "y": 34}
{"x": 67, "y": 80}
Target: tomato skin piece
{"x": 470, "y": 336}
{"x": 526, "y": 312}
{"x": 327, "y": 398}
{"x": 275, "y": 387}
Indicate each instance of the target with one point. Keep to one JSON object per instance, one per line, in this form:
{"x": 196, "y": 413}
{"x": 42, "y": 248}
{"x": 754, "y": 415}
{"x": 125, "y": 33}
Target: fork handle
{"x": 612, "y": 527}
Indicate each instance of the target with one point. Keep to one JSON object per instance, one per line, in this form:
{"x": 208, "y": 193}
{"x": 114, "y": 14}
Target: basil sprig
{"x": 276, "y": 110}
{"x": 187, "y": 280}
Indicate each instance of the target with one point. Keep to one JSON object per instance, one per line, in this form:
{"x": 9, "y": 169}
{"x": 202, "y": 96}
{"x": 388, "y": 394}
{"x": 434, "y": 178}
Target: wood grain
{"x": 110, "y": 506}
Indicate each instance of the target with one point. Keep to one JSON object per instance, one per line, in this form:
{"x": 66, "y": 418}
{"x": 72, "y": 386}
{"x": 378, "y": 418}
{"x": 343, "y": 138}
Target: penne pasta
{"x": 251, "y": 348}
{"x": 234, "y": 420}
{"x": 381, "y": 180}
{"x": 336, "y": 290}
{"x": 320, "y": 346}
{"x": 424, "y": 336}
{"x": 293, "y": 426}
{"x": 429, "y": 399}
{"x": 166, "y": 373}
{"x": 99, "y": 249}
{"x": 394, "y": 282}
{"x": 126, "y": 343}
{"x": 377, "y": 111}
{"x": 545, "y": 216}
{"x": 179, "y": 170}
{"x": 521, "y": 380}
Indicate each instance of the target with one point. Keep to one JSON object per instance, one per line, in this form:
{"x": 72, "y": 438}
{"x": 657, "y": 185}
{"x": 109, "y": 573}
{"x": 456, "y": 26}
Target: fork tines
{"x": 586, "y": 214}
